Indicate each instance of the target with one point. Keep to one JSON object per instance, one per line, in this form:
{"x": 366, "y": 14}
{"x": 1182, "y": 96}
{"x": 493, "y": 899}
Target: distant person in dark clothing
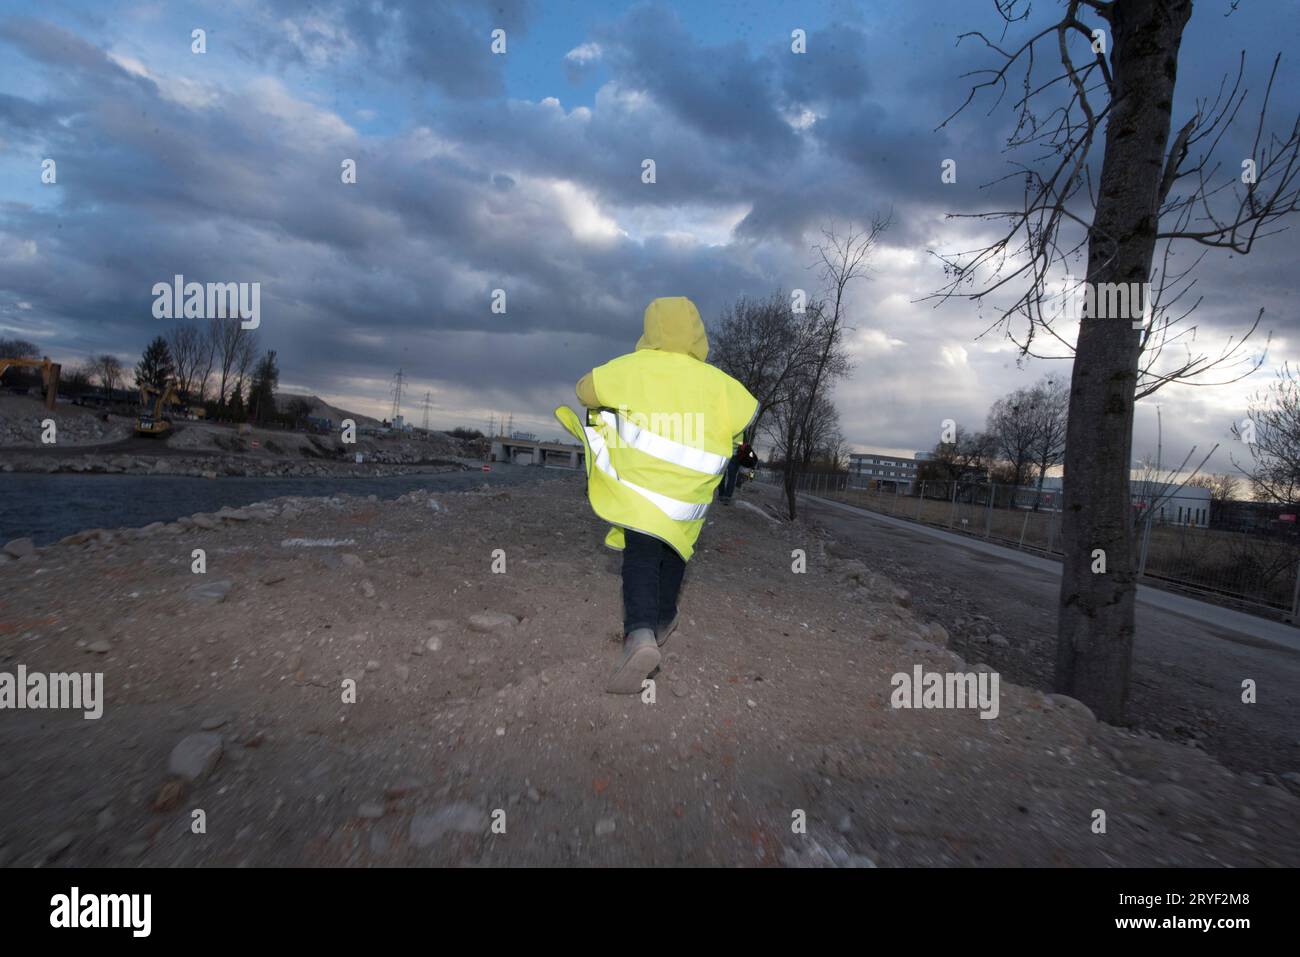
{"x": 744, "y": 458}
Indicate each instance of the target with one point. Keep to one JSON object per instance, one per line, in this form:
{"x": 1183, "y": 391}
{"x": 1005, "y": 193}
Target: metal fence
{"x": 1248, "y": 570}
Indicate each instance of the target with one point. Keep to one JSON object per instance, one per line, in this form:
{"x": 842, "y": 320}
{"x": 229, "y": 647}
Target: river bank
{"x": 46, "y": 508}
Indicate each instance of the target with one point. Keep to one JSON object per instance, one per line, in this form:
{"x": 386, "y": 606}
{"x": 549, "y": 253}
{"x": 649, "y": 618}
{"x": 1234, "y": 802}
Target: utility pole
{"x": 426, "y": 410}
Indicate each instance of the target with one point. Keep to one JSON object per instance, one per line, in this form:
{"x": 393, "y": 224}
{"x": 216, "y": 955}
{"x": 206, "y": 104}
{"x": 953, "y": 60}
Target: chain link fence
{"x": 1254, "y": 570}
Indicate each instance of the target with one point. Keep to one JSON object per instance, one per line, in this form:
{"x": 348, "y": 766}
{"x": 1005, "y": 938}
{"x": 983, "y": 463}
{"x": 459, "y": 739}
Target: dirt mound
{"x": 21, "y": 419}
{"x": 418, "y": 682}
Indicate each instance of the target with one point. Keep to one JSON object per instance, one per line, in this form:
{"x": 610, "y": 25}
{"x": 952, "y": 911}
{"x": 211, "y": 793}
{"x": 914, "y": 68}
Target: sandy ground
{"x": 487, "y": 740}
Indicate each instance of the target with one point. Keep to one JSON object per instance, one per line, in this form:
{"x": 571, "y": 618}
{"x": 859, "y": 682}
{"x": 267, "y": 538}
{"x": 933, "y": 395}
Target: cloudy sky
{"x": 522, "y": 171}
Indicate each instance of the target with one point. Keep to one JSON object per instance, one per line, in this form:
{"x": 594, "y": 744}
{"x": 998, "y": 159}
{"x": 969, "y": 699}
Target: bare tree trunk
{"x": 1096, "y": 627}
{"x": 789, "y": 475}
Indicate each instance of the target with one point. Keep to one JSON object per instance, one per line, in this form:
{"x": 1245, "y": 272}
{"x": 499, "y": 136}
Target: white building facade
{"x": 878, "y": 470}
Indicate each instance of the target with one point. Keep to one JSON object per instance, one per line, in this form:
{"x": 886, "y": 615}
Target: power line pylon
{"x": 397, "y": 396}
{"x": 427, "y": 396}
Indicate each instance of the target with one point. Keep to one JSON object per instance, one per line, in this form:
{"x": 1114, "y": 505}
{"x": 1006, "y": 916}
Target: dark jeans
{"x": 652, "y": 577}
{"x": 729, "y": 478}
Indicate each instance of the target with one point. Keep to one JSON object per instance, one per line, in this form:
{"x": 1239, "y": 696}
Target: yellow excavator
{"x": 49, "y": 373}
{"x": 156, "y": 421}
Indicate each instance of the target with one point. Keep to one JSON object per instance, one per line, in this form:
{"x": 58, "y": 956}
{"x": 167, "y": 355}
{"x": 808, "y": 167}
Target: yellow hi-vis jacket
{"x": 662, "y": 427}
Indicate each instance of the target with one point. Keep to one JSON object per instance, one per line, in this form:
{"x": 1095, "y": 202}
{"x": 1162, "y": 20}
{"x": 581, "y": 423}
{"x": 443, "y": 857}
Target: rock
{"x": 1173, "y": 797}
{"x": 195, "y": 756}
{"x": 59, "y": 844}
{"x": 457, "y": 818}
{"x": 367, "y": 589}
{"x": 939, "y": 634}
{"x": 20, "y": 548}
{"x": 152, "y": 528}
{"x": 372, "y": 665}
{"x": 234, "y": 514}
{"x": 371, "y": 811}
{"x": 901, "y": 597}
{"x": 605, "y": 826}
{"x": 403, "y": 673}
{"x": 101, "y": 647}
{"x": 918, "y": 646}
{"x": 170, "y": 795}
{"x": 353, "y": 561}
{"x": 212, "y": 592}
{"x": 211, "y": 724}
{"x": 879, "y": 631}
{"x": 1073, "y": 706}
{"x": 852, "y": 571}
{"x": 434, "y": 643}
{"x": 534, "y": 795}
{"x": 490, "y": 621}
{"x": 998, "y": 641}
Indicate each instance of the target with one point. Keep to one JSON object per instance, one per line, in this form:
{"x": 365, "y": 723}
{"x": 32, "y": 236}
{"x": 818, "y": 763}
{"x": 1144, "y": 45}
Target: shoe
{"x": 662, "y": 634}
{"x": 724, "y": 501}
{"x": 640, "y": 658}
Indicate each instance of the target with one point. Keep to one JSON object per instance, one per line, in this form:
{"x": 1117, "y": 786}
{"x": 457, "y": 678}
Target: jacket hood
{"x": 673, "y": 324}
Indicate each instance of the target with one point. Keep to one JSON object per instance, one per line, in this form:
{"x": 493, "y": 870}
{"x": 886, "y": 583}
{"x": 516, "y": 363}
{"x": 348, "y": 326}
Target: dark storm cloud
{"x": 433, "y": 42}
{"x": 475, "y": 191}
{"x": 723, "y": 92}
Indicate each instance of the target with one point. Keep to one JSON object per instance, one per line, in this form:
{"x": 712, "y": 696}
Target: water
{"x": 48, "y": 507}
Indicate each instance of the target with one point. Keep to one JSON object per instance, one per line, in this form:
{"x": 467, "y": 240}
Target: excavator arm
{"x": 49, "y": 375}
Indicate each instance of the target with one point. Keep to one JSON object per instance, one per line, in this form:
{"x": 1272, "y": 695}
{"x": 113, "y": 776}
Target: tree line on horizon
{"x": 215, "y": 365}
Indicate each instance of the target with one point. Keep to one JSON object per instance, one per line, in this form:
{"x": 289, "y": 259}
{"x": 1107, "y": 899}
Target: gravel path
{"x": 351, "y": 683}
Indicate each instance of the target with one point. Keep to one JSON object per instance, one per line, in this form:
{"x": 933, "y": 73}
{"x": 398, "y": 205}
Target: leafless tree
{"x": 245, "y": 354}
{"x": 1223, "y": 487}
{"x": 233, "y": 348}
{"x": 209, "y": 348}
{"x": 1051, "y": 398}
{"x": 1147, "y": 191}
{"x": 1271, "y": 434}
{"x": 841, "y": 258}
{"x": 109, "y": 371}
{"x": 970, "y": 456}
{"x": 1014, "y": 424}
{"x": 762, "y": 343}
{"x": 186, "y": 342}
{"x": 77, "y": 378}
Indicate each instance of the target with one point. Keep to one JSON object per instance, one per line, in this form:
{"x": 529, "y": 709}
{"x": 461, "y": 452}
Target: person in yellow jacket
{"x": 660, "y": 428}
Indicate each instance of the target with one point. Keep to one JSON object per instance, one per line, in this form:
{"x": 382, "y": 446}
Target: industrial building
{"x": 878, "y": 470}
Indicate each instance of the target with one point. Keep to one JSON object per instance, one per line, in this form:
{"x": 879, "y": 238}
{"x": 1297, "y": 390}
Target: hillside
{"x": 322, "y": 409}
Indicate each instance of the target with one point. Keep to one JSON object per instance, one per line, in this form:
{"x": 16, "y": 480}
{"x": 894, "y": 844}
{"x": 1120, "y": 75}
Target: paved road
{"x": 1190, "y": 658}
